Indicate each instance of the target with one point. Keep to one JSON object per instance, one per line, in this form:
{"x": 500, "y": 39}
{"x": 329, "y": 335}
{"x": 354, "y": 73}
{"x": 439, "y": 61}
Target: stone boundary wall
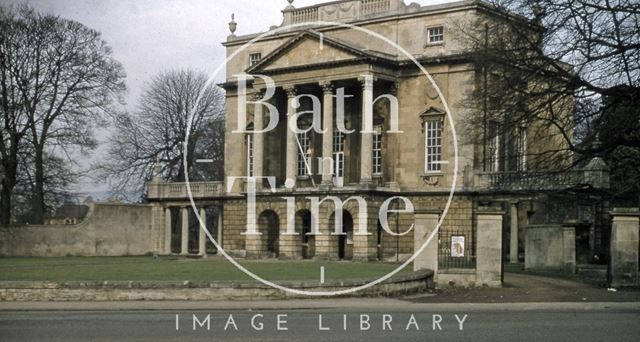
{"x": 107, "y": 230}
{"x": 173, "y": 291}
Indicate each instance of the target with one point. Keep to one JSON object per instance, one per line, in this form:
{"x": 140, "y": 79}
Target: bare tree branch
{"x": 158, "y": 129}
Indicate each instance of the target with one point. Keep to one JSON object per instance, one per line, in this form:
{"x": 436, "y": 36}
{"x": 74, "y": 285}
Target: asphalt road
{"x": 481, "y": 324}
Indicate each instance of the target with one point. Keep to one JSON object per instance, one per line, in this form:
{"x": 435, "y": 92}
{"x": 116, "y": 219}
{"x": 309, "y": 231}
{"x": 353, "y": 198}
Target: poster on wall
{"x": 457, "y": 246}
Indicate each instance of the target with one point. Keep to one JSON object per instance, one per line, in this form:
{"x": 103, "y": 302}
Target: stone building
{"x": 375, "y": 163}
{"x": 381, "y": 130}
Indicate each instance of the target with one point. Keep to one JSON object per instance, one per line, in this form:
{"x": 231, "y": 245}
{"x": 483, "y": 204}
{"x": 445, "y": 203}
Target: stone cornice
{"x": 391, "y": 64}
{"x": 625, "y": 212}
{"x": 324, "y": 65}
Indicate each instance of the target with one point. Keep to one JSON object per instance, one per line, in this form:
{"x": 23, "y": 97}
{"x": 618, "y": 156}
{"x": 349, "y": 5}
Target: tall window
{"x": 377, "y": 151}
{"x": 521, "y": 149}
{"x": 338, "y": 154}
{"x": 304, "y": 155}
{"x": 254, "y": 58}
{"x": 249, "y": 155}
{"x": 435, "y": 35}
{"x": 493, "y": 147}
{"x": 433, "y": 146}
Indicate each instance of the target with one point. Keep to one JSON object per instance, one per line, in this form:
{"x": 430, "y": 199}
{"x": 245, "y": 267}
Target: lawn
{"x": 180, "y": 269}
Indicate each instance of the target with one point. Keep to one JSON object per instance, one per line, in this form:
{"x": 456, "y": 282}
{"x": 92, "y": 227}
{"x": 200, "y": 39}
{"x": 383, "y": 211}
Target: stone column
{"x": 184, "y": 249}
{"x": 624, "y": 247}
{"x": 489, "y": 247}
{"x": 220, "y": 228}
{"x": 366, "y": 142}
{"x": 254, "y": 246}
{"x": 513, "y": 224}
{"x": 289, "y": 246}
{"x": 426, "y": 222}
{"x": 167, "y": 231}
{"x": 258, "y": 139}
{"x": 327, "y": 136}
{"x": 253, "y": 241}
{"x": 292, "y": 145}
{"x": 326, "y": 244}
{"x": 365, "y": 246}
{"x": 393, "y": 148}
{"x": 202, "y": 236}
{"x": 157, "y": 228}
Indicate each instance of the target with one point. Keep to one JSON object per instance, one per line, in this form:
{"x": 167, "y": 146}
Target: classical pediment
{"x": 432, "y": 112}
{"x": 310, "y": 49}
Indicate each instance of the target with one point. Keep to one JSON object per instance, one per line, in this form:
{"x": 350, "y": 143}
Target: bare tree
{"x": 157, "y": 132}
{"x": 14, "y": 118}
{"x": 58, "y": 178}
{"x": 562, "y": 69}
{"x": 59, "y": 80}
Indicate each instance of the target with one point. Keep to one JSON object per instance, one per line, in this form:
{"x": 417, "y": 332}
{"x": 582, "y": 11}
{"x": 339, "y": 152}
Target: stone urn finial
{"x": 157, "y": 170}
{"x": 290, "y": 7}
{"x": 233, "y": 25}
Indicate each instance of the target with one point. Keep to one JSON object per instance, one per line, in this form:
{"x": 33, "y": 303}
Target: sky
{"x": 151, "y": 36}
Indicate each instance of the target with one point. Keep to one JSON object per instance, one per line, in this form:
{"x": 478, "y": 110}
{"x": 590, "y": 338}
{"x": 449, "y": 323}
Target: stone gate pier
{"x": 624, "y": 247}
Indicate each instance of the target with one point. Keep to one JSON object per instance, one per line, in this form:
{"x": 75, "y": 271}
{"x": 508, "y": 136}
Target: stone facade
{"x": 405, "y": 141}
{"x": 293, "y": 59}
{"x": 375, "y": 163}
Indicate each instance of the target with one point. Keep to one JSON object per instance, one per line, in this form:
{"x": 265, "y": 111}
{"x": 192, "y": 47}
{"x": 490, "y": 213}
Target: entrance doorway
{"x": 345, "y": 241}
{"x": 269, "y": 225}
{"x": 308, "y": 242}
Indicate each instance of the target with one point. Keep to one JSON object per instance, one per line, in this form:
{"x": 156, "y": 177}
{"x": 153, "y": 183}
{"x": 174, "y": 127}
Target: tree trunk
{"x": 5, "y": 201}
{"x": 38, "y": 191}
{"x": 10, "y": 167}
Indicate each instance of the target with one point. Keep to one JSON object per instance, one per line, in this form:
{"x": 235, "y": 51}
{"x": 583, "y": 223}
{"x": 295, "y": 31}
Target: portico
{"x": 331, "y": 97}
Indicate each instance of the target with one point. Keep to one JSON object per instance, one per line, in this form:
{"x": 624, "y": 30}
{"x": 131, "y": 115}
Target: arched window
{"x": 303, "y": 227}
{"x": 269, "y": 226}
{"x": 345, "y": 241}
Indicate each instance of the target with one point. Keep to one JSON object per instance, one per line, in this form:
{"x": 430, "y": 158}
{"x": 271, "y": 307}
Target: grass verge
{"x": 146, "y": 268}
